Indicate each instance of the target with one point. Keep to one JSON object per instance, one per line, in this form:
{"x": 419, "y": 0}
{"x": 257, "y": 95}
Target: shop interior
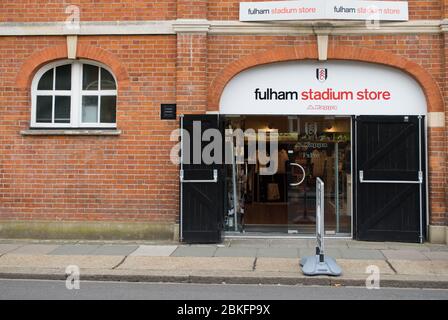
{"x": 260, "y": 204}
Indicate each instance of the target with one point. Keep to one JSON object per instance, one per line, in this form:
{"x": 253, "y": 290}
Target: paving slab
{"x": 188, "y": 264}
{"x": 194, "y": 251}
{"x": 74, "y": 249}
{"x": 437, "y": 247}
{"x": 37, "y": 241}
{"x": 292, "y": 243}
{"x": 59, "y": 261}
{"x": 335, "y": 253}
{"x": 114, "y": 250}
{"x": 439, "y": 267}
{"x": 420, "y": 267}
{"x": 225, "y": 243}
{"x": 306, "y": 252}
{"x": 407, "y": 246}
{"x": 7, "y": 247}
{"x": 367, "y": 245}
{"x": 354, "y": 266}
{"x": 278, "y": 252}
{"x": 123, "y": 242}
{"x": 278, "y": 265}
{"x": 404, "y": 255}
{"x": 236, "y": 252}
{"x": 405, "y": 268}
{"x": 333, "y": 243}
{"x": 436, "y": 255}
{"x": 363, "y": 254}
{"x": 35, "y": 249}
{"x": 154, "y": 251}
{"x": 249, "y": 243}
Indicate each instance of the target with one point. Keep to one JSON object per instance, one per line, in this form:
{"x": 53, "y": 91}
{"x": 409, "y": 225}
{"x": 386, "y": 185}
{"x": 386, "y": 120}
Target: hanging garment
{"x": 273, "y": 192}
{"x": 318, "y": 159}
{"x": 282, "y": 159}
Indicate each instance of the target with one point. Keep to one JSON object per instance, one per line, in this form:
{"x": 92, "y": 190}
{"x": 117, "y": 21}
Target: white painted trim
{"x": 322, "y": 46}
{"x": 75, "y": 93}
{"x": 237, "y": 27}
{"x": 311, "y": 27}
{"x": 446, "y": 236}
{"x": 444, "y": 25}
{"x": 86, "y": 28}
{"x": 436, "y": 119}
{"x": 70, "y": 132}
{"x": 191, "y": 26}
{"x": 214, "y": 27}
{"x": 72, "y": 44}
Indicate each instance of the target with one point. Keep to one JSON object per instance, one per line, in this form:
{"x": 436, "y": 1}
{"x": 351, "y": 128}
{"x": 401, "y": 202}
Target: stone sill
{"x": 70, "y": 132}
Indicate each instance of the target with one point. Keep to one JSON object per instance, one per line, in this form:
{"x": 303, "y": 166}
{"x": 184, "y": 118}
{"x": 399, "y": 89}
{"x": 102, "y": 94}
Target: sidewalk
{"x": 235, "y": 261}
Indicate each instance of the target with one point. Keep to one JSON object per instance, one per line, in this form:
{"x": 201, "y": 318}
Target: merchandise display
{"x": 270, "y": 202}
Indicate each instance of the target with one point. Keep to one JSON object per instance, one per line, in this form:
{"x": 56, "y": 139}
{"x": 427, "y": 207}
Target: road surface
{"x": 42, "y": 289}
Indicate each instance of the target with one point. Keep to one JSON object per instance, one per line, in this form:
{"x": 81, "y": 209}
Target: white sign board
{"x": 324, "y": 9}
{"x": 323, "y": 88}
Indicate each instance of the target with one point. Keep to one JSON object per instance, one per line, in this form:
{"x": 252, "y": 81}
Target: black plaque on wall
{"x": 168, "y": 111}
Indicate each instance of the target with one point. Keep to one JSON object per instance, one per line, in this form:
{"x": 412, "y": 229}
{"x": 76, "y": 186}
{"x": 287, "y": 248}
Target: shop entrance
{"x": 327, "y": 113}
{"x": 283, "y": 203}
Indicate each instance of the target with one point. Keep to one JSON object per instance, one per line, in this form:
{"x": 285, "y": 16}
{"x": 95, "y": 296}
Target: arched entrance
{"x": 359, "y": 126}
{"x": 337, "y": 87}
{"x": 365, "y": 93}
{"x": 430, "y": 88}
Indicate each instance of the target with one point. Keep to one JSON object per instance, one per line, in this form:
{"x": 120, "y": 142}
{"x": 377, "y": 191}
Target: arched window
{"x": 74, "y": 93}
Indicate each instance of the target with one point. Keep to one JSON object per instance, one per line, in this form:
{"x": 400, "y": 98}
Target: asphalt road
{"x": 54, "y": 290}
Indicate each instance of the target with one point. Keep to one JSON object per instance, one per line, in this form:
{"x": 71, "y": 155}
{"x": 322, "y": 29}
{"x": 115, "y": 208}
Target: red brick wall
{"x": 444, "y": 133}
{"x": 192, "y": 9}
{"x": 192, "y": 73}
{"x": 129, "y": 177}
{"x": 224, "y": 50}
{"x": 90, "y": 10}
{"x": 106, "y": 10}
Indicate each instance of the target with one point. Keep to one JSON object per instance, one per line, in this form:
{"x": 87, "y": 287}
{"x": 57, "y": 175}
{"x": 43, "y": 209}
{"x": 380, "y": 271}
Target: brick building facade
{"x": 95, "y": 183}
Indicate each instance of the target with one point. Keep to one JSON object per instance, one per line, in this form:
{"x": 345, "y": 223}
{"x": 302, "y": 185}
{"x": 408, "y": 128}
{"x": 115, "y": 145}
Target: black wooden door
{"x": 389, "y": 175}
{"x": 202, "y": 183}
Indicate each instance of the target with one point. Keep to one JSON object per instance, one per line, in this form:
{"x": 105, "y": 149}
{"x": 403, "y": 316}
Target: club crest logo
{"x": 321, "y": 74}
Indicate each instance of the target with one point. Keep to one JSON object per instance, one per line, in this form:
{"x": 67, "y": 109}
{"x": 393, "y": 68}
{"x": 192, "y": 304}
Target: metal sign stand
{"x": 320, "y": 264}
{"x": 235, "y": 191}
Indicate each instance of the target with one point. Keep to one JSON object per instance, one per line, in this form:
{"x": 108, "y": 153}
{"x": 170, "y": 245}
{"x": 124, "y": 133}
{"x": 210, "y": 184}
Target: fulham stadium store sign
{"x": 324, "y": 10}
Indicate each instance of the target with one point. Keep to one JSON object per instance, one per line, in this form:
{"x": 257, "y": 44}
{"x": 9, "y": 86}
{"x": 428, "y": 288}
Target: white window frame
{"x": 76, "y": 93}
